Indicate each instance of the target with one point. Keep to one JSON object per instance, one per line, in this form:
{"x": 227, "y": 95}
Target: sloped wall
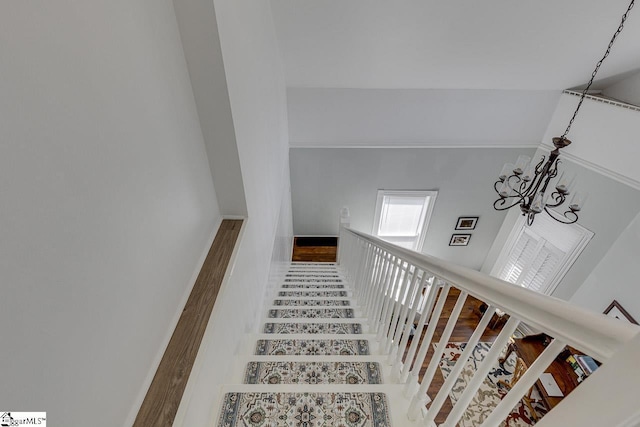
{"x": 257, "y": 98}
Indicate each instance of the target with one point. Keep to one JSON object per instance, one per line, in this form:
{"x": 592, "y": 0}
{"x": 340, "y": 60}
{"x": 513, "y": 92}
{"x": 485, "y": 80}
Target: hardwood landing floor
{"x": 466, "y": 324}
{"x": 163, "y": 397}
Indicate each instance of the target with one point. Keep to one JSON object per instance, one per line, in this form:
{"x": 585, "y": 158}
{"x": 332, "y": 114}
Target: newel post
{"x": 345, "y": 222}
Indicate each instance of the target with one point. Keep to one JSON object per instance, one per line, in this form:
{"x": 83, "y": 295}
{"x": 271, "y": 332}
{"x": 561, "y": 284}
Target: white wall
{"x": 328, "y": 117}
{"x": 605, "y": 137}
{"x": 323, "y": 180}
{"x": 107, "y": 203}
{"x": 615, "y": 276}
{"x": 199, "y": 35}
{"x": 257, "y": 94}
{"x": 628, "y": 90}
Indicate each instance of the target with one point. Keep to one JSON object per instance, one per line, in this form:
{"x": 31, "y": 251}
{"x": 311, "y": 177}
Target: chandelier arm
{"x": 519, "y": 192}
{"x": 559, "y": 199}
{"x": 593, "y": 74}
{"x": 539, "y": 165}
{"x": 503, "y": 201}
{"x": 570, "y": 216}
{"x": 530, "y": 217}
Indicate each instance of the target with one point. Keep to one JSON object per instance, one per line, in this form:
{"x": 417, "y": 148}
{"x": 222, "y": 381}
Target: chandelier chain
{"x": 593, "y": 75}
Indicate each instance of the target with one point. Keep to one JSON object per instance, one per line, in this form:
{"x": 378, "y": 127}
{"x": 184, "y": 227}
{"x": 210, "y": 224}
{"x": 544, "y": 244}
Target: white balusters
{"x": 390, "y": 300}
{"x": 481, "y": 373}
{"x": 421, "y": 398}
{"x": 406, "y": 333}
{"x": 389, "y": 282}
{"x": 443, "y": 393}
{"x": 404, "y": 303}
{"x": 426, "y": 312}
{"x": 524, "y": 383}
{"x": 412, "y": 382}
{"x": 383, "y": 304}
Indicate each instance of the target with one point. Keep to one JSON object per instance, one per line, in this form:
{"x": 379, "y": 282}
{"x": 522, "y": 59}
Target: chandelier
{"x": 529, "y": 185}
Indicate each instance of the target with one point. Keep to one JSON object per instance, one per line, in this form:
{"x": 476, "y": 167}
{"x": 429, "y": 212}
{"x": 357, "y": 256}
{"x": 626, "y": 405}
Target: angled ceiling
{"x": 434, "y": 44}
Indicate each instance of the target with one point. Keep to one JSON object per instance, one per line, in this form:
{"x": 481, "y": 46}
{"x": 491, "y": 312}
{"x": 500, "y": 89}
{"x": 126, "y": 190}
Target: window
{"x": 538, "y": 257}
{"x": 402, "y": 217}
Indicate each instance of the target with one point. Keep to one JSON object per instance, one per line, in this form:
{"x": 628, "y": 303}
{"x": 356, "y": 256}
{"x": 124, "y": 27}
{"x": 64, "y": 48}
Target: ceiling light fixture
{"x": 527, "y": 184}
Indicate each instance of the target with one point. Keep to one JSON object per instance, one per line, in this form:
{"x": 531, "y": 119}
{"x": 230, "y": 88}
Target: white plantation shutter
{"x": 537, "y": 257}
{"x": 522, "y": 252}
{"x": 542, "y": 269}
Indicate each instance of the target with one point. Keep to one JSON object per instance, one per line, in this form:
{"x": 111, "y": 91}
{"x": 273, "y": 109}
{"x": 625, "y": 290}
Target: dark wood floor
{"x": 466, "y": 324}
{"x": 163, "y": 397}
{"x": 314, "y": 253}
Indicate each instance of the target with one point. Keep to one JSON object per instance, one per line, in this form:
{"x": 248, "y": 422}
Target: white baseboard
{"x": 234, "y": 217}
{"x": 174, "y": 322}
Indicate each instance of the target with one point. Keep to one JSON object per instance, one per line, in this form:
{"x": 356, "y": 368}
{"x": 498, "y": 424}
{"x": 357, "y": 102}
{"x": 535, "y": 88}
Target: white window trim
{"x": 566, "y": 263}
{"x": 432, "y": 194}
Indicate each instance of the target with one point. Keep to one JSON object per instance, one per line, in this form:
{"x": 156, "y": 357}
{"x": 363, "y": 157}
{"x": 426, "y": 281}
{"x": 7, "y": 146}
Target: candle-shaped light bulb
{"x": 539, "y": 202}
{"x": 507, "y": 171}
{"x": 577, "y": 201}
{"x": 504, "y": 190}
{"x": 528, "y": 173}
{"x": 565, "y": 182}
{"x": 521, "y": 164}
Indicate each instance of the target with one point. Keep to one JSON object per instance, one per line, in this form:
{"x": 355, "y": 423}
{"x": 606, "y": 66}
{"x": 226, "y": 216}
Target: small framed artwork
{"x": 460, "y": 239}
{"x": 467, "y": 223}
{"x": 616, "y": 310}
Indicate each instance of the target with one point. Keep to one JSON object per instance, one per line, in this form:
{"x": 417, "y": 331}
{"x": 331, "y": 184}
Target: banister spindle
{"x": 395, "y": 319}
{"x": 395, "y": 370}
{"x": 481, "y": 373}
{"x": 524, "y": 383}
{"x": 412, "y": 382}
{"x": 426, "y": 312}
{"x": 392, "y": 305}
{"x": 420, "y": 398}
{"x": 379, "y": 264}
{"x": 402, "y": 318}
{"x": 357, "y": 264}
{"x": 365, "y": 280}
{"x": 388, "y": 297}
{"x": 382, "y": 289}
{"x": 450, "y": 382}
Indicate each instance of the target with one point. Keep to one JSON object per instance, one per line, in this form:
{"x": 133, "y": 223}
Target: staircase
{"x": 315, "y": 362}
{"x": 334, "y": 348}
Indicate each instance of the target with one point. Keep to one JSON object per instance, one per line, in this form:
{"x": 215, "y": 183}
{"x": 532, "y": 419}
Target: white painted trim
{"x": 194, "y": 376}
{"x": 317, "y": 235}
{"x": 415, "y": 144}
{"x": 234, "y": 217}
{"x": 596, "y": 168}
{"x": 604, "y": 100}
{"x": 567, "y": 262}
{"x": 174, "y": 322}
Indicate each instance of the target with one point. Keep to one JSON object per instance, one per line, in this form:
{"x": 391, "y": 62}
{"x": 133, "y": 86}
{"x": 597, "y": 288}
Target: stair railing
{"x": 389, "y": 283}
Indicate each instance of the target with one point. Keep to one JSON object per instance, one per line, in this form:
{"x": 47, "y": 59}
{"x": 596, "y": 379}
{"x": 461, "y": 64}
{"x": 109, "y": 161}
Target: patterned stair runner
{"x": 308, "y": 300}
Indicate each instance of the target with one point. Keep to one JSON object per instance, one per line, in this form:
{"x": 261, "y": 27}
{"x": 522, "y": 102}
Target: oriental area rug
{"x": 490, "y": 393}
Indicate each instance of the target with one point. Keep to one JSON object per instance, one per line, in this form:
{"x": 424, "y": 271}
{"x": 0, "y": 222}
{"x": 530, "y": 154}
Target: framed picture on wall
{"x": 616, "y": 310}
{"x": 459, "y": 239}
{"x": 467, "y": 223}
